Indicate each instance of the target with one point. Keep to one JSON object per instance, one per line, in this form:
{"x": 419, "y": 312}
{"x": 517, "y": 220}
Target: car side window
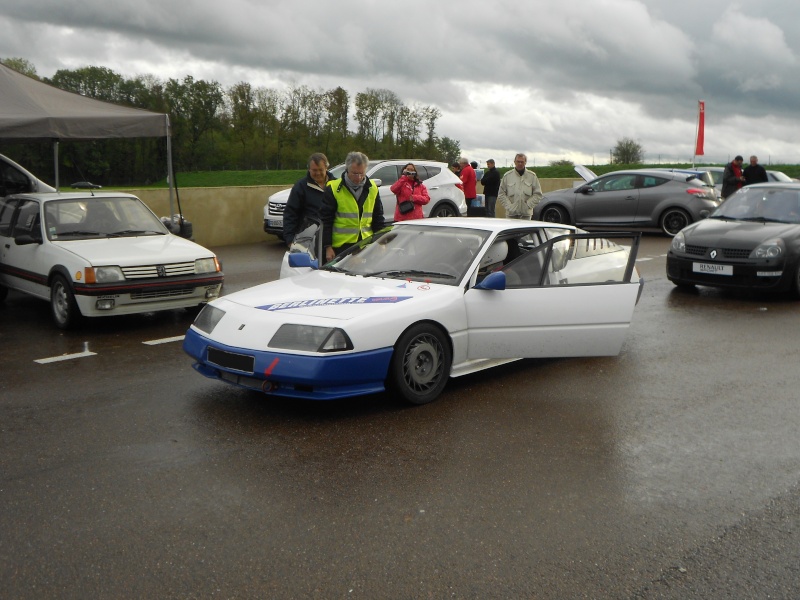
{"x": 387, "y": 174}
{"x": 28, "y": 220}
{"x": 615, "y": 183}
{"x": 649, "y": 181}
{"x": 428, "y": 172}
{"x": 6, "y": 214}
{"x": 12, "y": 181}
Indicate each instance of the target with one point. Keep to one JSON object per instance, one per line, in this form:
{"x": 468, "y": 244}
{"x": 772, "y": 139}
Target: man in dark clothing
{"x": 305, "y": 199}
{"x": 732, "y": 178}
{"x": 754, "y": 172}
{"x": 491, "y": 186}
{"x": 351, "y": 207}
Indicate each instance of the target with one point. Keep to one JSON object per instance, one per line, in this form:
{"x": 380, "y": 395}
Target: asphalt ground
{"x": 669, "y": 471}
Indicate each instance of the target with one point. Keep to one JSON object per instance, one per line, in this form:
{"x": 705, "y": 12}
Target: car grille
{"x": 732, "y": 253}
{"x": 276, "y": 208}
{"x": 152, "y": 271}
{"x": 153, "y": 294}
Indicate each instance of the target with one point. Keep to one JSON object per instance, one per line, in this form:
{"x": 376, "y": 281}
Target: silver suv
{"x": 447, "y": 198}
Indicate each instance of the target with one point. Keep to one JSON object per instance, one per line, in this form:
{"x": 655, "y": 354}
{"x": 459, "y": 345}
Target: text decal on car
{"x": 335, "y": 302}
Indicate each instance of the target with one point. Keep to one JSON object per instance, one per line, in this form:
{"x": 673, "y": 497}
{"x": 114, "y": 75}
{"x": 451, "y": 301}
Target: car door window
{"x": 28, "y": 221}
{"x": 12, "y": 181}
{"x": 6, "y": 214}
{"x": 615, "y": 183}
{"x": 388, "y": 174}
{"x": 427, "y": 172}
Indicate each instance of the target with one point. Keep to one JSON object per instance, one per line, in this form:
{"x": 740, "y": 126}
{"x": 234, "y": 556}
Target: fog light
{"x": 104, "y": 304}
{"x": 212, "y": 292}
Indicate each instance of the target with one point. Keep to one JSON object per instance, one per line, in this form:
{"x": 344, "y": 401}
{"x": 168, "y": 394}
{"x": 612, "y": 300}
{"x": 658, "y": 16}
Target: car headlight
{"x": 310, "y": 338}
{"x": 206, "y": 265}
{"x": 208, "y": 318}
{"x": 769, "y": 249}
{"x": 679, "y": 242}
{"x": 104, "y": 274}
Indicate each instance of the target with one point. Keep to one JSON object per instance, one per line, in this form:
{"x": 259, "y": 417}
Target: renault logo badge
{"x": 713, "y": 254}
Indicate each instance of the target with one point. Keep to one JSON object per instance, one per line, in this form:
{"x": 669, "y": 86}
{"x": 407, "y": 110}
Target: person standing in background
{"x": 732, "y": 177}
{"x": 491, "y": 185}
{"x": 469, "y": 181}
{"x": 754, "y": 172}
{"x": 520, "y": 190}
{"x": 305, "y": 199}
{"x": 409, "y": 189}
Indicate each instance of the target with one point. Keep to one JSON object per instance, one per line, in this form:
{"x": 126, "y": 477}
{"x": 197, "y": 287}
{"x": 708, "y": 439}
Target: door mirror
{"x": 27, "y": 239}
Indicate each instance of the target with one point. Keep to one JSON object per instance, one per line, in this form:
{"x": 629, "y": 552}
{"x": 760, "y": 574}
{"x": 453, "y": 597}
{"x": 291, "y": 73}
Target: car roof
{"x": 482, "y": 223}
{"x": 55, "y": 196}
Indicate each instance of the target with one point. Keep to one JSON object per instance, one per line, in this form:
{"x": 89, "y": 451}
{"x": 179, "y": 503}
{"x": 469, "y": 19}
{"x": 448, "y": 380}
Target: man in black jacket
{"x": 754, "y": 172}
{"x": 491, "y": 186}
{"x": 305, "y": 199}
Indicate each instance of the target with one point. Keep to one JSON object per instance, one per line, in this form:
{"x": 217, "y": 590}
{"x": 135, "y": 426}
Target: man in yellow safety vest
{"x": 351, "y": 207}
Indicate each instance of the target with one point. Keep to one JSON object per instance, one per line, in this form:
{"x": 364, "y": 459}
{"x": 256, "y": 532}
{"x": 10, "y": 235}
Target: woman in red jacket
{"x": 409, "y": 189}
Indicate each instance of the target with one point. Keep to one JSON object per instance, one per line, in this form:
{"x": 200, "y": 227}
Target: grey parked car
{"x": 444, "y": 188}
{"x": 642, "y": 198}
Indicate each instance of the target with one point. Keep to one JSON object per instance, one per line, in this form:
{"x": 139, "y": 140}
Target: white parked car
{"x": 419, "y": 302}
{"x": 15, "y": 179}
{"x": 447, "y": 198}
{"x": 93, "y": 254}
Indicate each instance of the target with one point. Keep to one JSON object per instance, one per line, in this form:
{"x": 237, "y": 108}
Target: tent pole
{"x": 169, "y": 167}
{"x": 55, "y": 160}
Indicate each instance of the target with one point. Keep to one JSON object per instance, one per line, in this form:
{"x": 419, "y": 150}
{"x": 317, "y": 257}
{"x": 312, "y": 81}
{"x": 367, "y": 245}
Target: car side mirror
{"x": 378, "y": 182}
{"x": 27, "y": 239}
{"x": 302, "y": 259}
{"x": 587, "y": 189}
{"x": 704, "y": 214}
{"x": 493, "y": 281}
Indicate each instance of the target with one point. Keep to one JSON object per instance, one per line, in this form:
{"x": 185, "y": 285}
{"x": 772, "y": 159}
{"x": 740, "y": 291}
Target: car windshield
{"x": 93, "y": 217}
{"x": 413, "y": 252}
{"x": 761, "y": 205}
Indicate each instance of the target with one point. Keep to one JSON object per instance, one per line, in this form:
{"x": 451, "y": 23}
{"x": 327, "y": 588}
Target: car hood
{"x": 587, "y": 174}
{"x": 334, "y": 296}
{"x": 719, "y": 232}
{"x": 131, "y": 251}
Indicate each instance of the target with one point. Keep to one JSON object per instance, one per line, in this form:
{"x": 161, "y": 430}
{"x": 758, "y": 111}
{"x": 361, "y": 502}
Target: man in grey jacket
{"x": 520, "y": 191}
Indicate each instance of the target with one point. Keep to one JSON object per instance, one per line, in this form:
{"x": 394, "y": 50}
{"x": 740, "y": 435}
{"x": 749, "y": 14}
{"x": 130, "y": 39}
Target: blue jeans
{"x": 490, "y": 204}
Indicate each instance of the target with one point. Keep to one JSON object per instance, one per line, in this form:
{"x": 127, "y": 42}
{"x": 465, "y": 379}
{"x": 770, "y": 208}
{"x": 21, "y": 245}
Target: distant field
{"x": 246, "y": 178}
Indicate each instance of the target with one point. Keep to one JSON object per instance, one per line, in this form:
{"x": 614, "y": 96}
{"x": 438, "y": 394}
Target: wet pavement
{"x": 669, "y": 471}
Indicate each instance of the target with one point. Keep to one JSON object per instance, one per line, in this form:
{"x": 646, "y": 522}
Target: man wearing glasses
{"x": 351, "y": 207}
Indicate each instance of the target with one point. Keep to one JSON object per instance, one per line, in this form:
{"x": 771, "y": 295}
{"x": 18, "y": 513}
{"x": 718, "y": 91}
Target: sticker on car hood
{"x": 339, "y": 301}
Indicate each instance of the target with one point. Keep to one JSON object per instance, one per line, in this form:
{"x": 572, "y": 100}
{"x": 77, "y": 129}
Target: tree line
{"x": 239, "y": 128}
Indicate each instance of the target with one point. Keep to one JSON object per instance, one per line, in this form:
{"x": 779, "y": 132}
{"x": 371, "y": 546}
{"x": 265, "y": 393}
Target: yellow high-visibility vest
{"x": 347, "y": 224}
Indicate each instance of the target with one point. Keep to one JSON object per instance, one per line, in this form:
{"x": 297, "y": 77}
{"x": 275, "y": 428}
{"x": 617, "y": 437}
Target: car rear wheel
{"x": 62, "y": 304}
{"x": 555, "y": 214}
{"x": 420, "y": 364}
{"x": 673, "y": 220}
{"x": 443, "y": 210}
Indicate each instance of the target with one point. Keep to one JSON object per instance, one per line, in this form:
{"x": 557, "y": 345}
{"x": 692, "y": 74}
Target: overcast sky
{"x": 552, "y": 79}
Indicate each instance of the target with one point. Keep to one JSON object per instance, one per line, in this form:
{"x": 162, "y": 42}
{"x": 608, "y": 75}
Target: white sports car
{"x": 419, "y": 302}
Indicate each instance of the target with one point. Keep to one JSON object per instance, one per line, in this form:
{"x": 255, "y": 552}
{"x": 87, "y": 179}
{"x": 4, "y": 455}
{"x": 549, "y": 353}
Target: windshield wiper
{"x": 138, "y": 232}
{"x": 761, "y": 220}
{"x": 411, "y": 273}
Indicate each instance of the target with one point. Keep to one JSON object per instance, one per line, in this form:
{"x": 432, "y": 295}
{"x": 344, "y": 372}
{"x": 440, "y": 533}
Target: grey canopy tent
{"x": 31, "y": 109}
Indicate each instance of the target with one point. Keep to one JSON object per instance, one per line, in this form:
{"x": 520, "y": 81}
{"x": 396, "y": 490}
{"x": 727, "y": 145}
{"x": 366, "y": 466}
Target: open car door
{"x": 572, "y": 296}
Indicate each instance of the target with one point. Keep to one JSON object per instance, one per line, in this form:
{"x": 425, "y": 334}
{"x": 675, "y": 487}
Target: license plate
{"x": 275, "y": 223}
{"x": 712, "y": 269}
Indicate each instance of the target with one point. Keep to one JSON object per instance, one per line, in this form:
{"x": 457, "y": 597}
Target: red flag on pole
{"x": 701, "y": 121}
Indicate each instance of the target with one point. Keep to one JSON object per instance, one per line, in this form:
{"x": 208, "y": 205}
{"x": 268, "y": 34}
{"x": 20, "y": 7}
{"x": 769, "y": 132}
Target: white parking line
{"x": 52, "y": 359}
{"x": 177, "y": 338}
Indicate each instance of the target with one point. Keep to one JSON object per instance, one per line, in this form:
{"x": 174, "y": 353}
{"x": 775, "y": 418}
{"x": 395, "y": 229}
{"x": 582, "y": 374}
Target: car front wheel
{"x": 673, "y": 220}
{"x": 555, "y": 214}
{"x": 420, "y": 364}
{"x": 62, "y": 303}
{"x": 443, "y": 210}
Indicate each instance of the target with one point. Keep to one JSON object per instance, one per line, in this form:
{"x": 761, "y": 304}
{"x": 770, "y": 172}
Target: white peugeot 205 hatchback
{"x": 99, "y": 254}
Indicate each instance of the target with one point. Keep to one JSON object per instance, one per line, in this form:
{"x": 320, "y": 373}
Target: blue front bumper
{"x": 328, "y": 377}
